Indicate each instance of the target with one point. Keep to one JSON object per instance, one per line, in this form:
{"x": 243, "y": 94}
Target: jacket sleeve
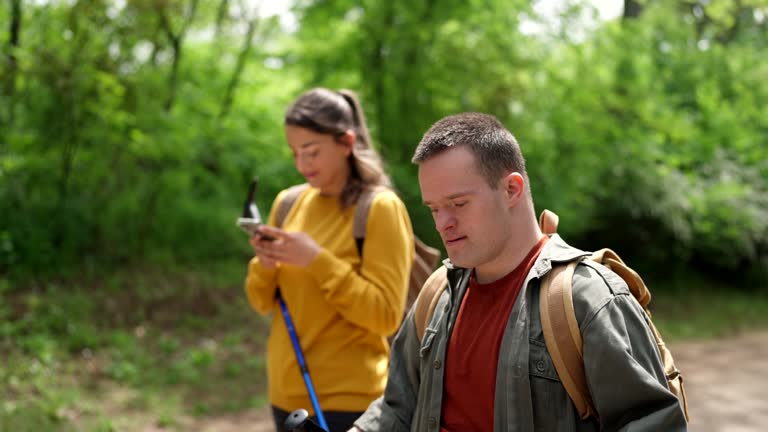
{"x": 394, "y": 410}
{"x": 260, "y": 282}
{"x": 374, "y": 297}
{"x": 623, "y": 367}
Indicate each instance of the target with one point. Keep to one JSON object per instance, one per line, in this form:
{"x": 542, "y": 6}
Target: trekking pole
{"x": 302, "y": 363}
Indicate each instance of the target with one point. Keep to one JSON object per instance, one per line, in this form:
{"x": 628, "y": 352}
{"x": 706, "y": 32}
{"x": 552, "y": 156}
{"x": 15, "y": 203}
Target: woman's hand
{"x": 259, "y": 244}
{"x": 295, "y": 248}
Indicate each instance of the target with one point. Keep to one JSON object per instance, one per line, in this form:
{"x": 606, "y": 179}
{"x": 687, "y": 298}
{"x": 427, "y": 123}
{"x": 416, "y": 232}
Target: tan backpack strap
{"x": 637, "y": 287}
{"x": 424, "y": 261}
{"x": 563, "y": 337}
{"x": 361, "y": 212}
{"x": 548, "y": 222}
{"x": 427, "y": 300}
{"x": 284, "y": 206}
{"x": 673, "y": 375}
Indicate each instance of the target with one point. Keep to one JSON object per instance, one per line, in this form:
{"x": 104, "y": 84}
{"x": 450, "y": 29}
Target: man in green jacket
{"x": 482, "y": 364}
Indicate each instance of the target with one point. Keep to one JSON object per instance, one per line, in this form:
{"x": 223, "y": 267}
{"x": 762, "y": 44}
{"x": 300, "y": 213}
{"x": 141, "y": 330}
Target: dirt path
{"x": 726, "y": 382}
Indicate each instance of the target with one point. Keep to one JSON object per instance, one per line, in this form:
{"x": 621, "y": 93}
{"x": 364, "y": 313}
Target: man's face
{"x": 472, "y": 219}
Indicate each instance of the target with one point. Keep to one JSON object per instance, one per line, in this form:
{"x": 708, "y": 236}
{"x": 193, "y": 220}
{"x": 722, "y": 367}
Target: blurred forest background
{"x": 129, "y": 131}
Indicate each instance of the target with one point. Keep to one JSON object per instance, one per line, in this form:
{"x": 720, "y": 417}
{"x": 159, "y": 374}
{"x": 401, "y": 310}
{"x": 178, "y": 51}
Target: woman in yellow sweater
{"x": 343, "y": 302}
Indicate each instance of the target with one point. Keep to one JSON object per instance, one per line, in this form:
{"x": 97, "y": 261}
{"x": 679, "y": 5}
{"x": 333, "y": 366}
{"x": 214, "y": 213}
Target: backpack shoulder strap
{"x": 563, "y": 337}
{"x": 560, "y": 327}
{"x": 548, "y": 221}
{"x": 361, "y": 212}
{"x": 424, "y": 262}
{"x": 359, "y": 224}
{"x": 427, "y": 300}
{"x": 635, "y": 283}
{"x": 285, "y": 204}
{"x": 642, "y": 294}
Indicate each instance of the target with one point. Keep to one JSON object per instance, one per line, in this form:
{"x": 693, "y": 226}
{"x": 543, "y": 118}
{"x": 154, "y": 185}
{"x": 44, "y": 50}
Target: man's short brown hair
{"x": 495, "y": 148}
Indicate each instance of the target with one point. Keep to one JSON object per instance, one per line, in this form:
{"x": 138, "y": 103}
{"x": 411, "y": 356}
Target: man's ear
{"x": 514, "y": 185}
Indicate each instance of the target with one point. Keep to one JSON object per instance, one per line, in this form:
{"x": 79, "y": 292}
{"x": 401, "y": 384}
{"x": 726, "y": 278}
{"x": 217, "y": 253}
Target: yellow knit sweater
{"x": 342, "y": 309}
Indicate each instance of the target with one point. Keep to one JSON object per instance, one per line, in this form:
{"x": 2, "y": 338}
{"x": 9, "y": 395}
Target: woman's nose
{"x": 301, "y": 163}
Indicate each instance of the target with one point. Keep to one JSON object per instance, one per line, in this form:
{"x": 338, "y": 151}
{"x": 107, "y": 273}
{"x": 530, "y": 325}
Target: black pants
{"x": 338, "y": 421}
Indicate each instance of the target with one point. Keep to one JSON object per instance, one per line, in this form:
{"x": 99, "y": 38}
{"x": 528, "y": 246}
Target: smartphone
{"x": 251, "y": 218}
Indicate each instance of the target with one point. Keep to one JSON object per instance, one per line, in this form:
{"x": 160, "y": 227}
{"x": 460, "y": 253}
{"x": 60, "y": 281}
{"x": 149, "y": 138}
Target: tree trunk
{"x": 221, "y": 15}
{"x": 235, "y": 79}
{"x": 173, "y": 78}
{"x": 375, "y": 70}
{"x": 155, "y": 40}
{"x": 13, "y": 39}
{"x": 632, "y": 9}
{"x": 410, "y": 92}
{"x": 176, "y": 41}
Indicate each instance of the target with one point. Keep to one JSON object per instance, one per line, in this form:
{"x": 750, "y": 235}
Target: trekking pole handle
{"x": 299, "y": 421}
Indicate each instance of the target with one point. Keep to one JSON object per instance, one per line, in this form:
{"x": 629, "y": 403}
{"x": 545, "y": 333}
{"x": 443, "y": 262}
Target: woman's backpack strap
{"x": 285, "y": 204}
{"x": 361, "y": 213}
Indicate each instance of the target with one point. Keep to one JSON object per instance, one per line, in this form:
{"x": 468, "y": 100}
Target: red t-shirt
{"x": 473, "y": 350}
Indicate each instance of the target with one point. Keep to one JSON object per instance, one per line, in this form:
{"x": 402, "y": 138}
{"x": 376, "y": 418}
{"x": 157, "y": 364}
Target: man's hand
{"x": 355, "y": 429}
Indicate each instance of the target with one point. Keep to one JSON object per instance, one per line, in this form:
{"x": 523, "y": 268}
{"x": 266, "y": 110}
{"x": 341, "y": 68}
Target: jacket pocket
{"x": 548, "y": 396}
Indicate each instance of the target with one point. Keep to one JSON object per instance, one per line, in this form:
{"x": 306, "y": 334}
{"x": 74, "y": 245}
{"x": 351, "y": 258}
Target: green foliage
{"x": 133, "y": 137}
{"x": 414, "y": 62}
{"x": 129, "y": 132}
{"x": 665, "y": 142}
{"x": 654, "y": 124}
{"x": 141, "y": 361}
{"x": 95, "y": 165}
{"x": 691, "y": 306}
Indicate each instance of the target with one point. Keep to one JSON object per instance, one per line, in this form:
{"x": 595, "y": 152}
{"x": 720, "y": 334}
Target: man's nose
{"x": 444, "y": 221}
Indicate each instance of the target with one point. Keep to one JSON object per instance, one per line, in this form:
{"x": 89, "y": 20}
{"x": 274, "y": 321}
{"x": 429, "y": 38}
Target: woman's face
{"x": 321, "y": 158}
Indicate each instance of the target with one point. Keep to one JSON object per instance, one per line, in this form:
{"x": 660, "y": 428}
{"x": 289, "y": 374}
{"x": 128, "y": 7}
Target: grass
{"x": 705, "y": 309}
{"x": 159, "y": 348}
{"x": 132, "y": 350}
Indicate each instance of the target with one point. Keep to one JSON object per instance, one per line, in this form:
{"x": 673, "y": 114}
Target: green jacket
{"x": 622, "y": 364}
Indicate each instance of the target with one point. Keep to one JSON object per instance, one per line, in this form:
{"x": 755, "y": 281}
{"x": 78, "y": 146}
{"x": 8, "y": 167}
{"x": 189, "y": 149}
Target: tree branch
{"x": 632, "y": 9}
{"x": 241, "y": 60}
{"x": 14, "y": 32}
{"x": 221, "y": 15}
{"x": 176, "y": 41}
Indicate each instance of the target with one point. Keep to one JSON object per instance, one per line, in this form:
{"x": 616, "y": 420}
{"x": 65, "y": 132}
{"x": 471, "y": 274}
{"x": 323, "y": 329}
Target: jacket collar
{"x": 556, "y": 250}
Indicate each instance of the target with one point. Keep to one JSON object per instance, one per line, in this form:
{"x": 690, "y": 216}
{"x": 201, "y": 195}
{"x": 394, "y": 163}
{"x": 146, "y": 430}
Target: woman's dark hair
{"x": 334, "y": 113}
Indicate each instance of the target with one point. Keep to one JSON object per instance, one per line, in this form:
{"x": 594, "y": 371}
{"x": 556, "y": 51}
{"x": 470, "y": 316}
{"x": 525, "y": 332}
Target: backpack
{"x": 558, "y": 320}
{"x": 425, "y": 257}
